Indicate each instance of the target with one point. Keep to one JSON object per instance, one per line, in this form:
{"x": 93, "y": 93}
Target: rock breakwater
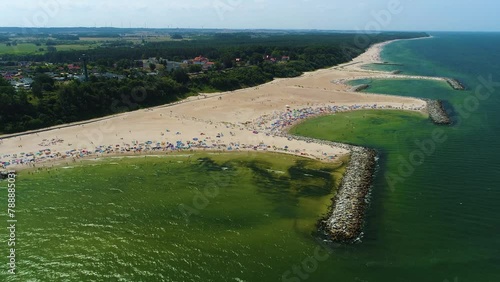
{"x": 345, "y": 219}
{"x": 437, "y": 113}
{"x": 455, "y": 84}
{"x": 359, "y": 88}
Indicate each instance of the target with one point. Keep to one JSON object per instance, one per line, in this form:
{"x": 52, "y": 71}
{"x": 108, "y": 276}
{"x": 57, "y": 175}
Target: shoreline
{"x": 216, "y": 125}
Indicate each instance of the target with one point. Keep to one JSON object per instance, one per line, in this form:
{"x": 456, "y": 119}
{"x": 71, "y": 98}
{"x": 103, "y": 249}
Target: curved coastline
{"x": 253, "y": 131}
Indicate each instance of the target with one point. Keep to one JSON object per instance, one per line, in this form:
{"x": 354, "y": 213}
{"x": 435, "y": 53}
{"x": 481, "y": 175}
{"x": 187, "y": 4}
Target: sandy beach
{"x": 248, "y": 119}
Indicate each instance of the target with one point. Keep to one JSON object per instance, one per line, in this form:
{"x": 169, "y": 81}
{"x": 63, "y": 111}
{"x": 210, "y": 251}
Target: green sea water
{"x": 435, "y": 203}
{"x": 433, "y": 216}
{"x": 202, "y": 217}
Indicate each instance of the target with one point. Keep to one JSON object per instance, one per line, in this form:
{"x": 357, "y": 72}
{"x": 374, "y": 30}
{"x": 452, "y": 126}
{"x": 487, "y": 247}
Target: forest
{"x": 51, "y": 103}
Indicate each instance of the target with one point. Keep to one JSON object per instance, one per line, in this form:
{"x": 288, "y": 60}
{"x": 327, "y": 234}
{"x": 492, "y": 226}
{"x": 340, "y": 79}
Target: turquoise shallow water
{"x": 440, "y": 222}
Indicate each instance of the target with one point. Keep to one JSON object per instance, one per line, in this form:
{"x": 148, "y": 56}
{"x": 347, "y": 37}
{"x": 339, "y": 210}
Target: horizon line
{"x": 246, "y": 29}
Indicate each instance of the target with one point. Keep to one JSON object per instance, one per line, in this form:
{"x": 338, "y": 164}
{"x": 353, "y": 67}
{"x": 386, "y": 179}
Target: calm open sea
{"x": 434, "y": 213}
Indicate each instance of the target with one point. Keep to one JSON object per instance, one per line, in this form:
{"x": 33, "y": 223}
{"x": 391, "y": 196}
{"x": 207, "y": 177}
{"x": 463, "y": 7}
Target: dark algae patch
{"x": 210, "y": 209}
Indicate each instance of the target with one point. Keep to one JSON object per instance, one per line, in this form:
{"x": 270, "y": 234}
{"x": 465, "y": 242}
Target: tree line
{"x": 51, "y": 103}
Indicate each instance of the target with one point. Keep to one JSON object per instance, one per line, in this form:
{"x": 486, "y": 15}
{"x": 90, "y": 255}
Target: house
{"x": 8, "y": 76}
{"x": 269, "y": 58}
{"x": 112, "y": 76}
{"x": 27, "y": 80}
{"x": 51, "y": 74}
{"x": 73, "y": 67}
{"x": 24, "y": 64}
{"x": 200, "y": 60}
{"x": 208, "y": 65}
{"x": 285, "y": 58}
{"x": 153, "y": 60}
{"x": 171, "y": 65}
{"x": 24, "y": 83}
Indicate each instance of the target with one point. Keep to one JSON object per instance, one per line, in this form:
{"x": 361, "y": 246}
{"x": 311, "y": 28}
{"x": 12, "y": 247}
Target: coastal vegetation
{"x": 240, "y": 60}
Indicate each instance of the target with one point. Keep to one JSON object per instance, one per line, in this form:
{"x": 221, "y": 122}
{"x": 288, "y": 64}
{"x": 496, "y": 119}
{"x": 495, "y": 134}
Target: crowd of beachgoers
{"x": 276, "y": 124}
{"x": 135, "y": 147}
{"x": 280, "y": 121}
{"x": 265, "y": 131}
{"x": 271, "y": 123}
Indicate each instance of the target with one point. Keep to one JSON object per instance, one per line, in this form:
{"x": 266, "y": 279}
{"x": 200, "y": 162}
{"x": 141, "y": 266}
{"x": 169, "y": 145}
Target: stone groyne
{"x": 345, "y": 218}
{"x": 437, "y": 113}
{"x": 455, "y": 84}
{"x": 359, "y": 88}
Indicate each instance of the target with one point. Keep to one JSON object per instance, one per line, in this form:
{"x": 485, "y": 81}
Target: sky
{"x": 367, "y": 15}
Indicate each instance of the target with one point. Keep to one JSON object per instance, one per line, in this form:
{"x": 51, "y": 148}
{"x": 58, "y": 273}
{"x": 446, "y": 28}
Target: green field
{"x": 135, "y": 39}
{"x": 30, "y": 48}
{"x": 84, "y": 44}
{"x": 19, "y": 49}
{"x": 75, "y": 47}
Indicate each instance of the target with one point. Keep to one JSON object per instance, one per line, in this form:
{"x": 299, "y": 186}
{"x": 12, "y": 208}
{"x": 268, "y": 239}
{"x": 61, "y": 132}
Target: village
{"x": 21, "y": 74}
